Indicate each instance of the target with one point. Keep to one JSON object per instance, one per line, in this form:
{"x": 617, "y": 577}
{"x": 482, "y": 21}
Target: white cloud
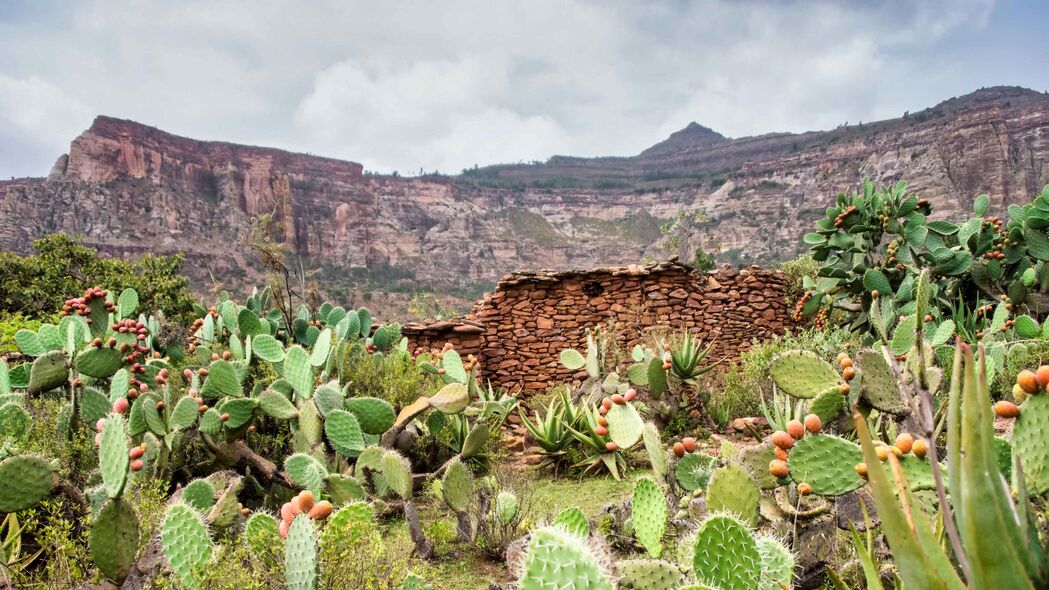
{"x": 409, "y": 85}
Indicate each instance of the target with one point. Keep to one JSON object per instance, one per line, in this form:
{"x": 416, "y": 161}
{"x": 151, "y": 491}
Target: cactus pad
{"x": 113, "y": 460}
{"x": 506, "y": 507}
{"x": 574, "y": 521}
{"x": 226, "y": 509}
{"x": 298, "y": 371}
{"x": 409, "y": 412}
{"x": 100, "y": 363}
{"x": 375, "y": 415}
{"x": 24, "y": 481}
{"x": 267, "y": 348}
{"x": 777, "y": 564}
{"x": 350, "y": 525}
{"x": 648, "y": 511}
{"x": 557, "y": 559}
{"x": 199, "y": 494}
{"x": 210, "y": 422}
{"x": 827, "y": 463}
{"x": 397, "y": 472}
{"x": 648, "y": 574}
{"x": 917, "y": 471}
{"x": 113, "y": 539}
{"x": 262, "y": 536}
{"x": 344, "y": 433}
{"x": 185, "y": 414}
{"x": 222, "y": 381}
{"x": 240, "y": 410}
{"x": 15, "y": 421}
{"x": 310, "y": 423}
{"x": 656, "y": 455}
{"x": 300, "y": 554}
{"x": 828, "y": 405}
{"x": 725, "y": 554}
{"x": 327, "y": 397}
{"x": 452, "y": 398}
{"x": 306, "y": 471}
{"x": 185, "y": 542}
{"x": 343, "y": 488}
{"x": 48, "y": 372}
{"x": 624, "y": 425}
{"x": 1029, "y": 442}
{"x": 731, "y": 490}
{"x": 803, "y": 374}
{"x": 878, "y": 386}
{"x": 276, "y": 405}
{"x": 475, "y": 440}
{"x": 457, "y": 486}
{"x": 692, "y": 471}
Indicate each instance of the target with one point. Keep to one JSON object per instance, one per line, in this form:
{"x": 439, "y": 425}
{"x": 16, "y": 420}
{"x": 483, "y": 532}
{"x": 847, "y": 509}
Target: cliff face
{"x": 129, "y": 188}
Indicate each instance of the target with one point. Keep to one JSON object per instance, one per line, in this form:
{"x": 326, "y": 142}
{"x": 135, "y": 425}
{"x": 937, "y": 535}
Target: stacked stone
{"x": 524, "y": 325}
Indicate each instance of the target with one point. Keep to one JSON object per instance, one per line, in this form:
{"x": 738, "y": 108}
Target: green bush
{"x": 10, "y": 323}
{"x": 393, "y": 377}
{"x": 795, "y": 271}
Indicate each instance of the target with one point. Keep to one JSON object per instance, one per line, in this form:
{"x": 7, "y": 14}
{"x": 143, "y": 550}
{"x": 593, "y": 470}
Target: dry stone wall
{"x": 519, "y": 330}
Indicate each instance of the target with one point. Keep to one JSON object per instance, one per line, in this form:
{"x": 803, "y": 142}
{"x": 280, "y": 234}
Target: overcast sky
{"x": 443, "y": 85}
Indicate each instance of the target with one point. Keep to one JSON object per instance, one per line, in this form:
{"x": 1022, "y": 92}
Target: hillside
{"x": 128, "y": 188}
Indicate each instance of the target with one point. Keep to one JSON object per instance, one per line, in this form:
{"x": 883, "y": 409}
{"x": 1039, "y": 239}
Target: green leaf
{"x": 298, "y": 371}
{"x": 222, "y": 381}
{"x": 903, "y": 337}
{"x": 980, "y": 204}
{"x": 943, "y": 333}
{"x": 572, "y": 359}
{"x": 127, "y": 303}
{"x": 875, "y": 280}
{"x": 1026, "y": 327}
{"x": 267, "y": 348}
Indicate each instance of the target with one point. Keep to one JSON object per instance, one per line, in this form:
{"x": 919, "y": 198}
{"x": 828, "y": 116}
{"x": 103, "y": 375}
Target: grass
{"x": 533, "y": 226}
{"x": 457, "y": 566}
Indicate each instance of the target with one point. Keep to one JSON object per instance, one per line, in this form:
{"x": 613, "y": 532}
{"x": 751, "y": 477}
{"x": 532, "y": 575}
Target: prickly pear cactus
{"x": 777, "y": 564}
{"x": 397, "y": 472}
{"x": 475, "y": 441}
{"x": 457, "y": 486}
{"x": 731, "y": 490}
{"x": 451, "y": 399}
{"x": 113, "y": 460}
{"x": 624, "y": 424}
{"x": 375, "y": 415}
{"x": 506, "y": 506}
{"x": 827, "y": 463}
{"x": 262, "y": 536}
{"x": 648, "y": 574}
{"x": 199, "y": 494}
{"x": 725, "y": 554}
{"x": 1029, "y": 442}
{"x": 692, "y": 471}
{"x": 574, "y": 521}
{"x": 344, "y": 433}
{"x": 113, "y": 539}
{"x": 185, "y": 541}
{"x": 878, "y": 384}
{"x": 558, "y": 559}
{"x": 803, "y": 374}
{"x": 306, "y": 471}
{"x": 828, "y": 405}
{"x": 656, "y": 454}
{"x": 48, "y": 372}
{"x": 350, "y": 525}
{"x": 648, "y": 511}
{"x": 24, "y": 481}
{"x": 300, "y": 555}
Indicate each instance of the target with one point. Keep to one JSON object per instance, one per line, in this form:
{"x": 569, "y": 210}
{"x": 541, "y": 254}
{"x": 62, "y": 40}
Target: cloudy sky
{"x": 449, "y": 84}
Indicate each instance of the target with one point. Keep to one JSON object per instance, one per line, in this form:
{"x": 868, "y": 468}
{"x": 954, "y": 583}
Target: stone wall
{"x": 519, "y": 330}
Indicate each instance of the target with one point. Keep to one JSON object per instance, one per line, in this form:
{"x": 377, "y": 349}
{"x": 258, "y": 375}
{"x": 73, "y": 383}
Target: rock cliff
{"x": 129, "y": 188}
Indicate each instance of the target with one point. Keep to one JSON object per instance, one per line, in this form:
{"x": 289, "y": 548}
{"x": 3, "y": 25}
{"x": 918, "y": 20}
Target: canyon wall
{"x": 128, "y": 188}
{"x": 519, "y": 330}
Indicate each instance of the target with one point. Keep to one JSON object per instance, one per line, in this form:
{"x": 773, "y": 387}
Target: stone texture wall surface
{"x": 519, "y": 330}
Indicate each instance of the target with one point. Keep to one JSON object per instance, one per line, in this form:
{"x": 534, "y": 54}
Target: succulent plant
{"x": 185, "y": 542}
{"x": 559, "y": 559}
{"x": 648, "y": 511}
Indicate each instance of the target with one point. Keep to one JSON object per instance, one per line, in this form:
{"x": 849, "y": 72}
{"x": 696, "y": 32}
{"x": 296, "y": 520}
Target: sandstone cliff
{"x": 129, "y": 188}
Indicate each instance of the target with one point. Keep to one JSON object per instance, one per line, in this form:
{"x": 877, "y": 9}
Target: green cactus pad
{"x": 185, "y": 542}
{"x": 300, "y": 555}
{"x": 624, "y": 425}
{"x": 828, "y": 405}
{"x": 1029, "y": 442}
{"x": 226, "y": 509}
{"x": 151, "y": 414}
{"x": 827, "y": 463}
{"x": 24, "y": 481}
{"x": 397, "y": 472}
{"x": 48, "y": 372}
{"x": 306, "y": 471}
{"x": 211, "y": 422}
{"x": 386, "y": 336}
{"x": 648, "y": 511}
{"x": 451, "y": 399}
{"x": 199, "y": 494}
{"x": 113, "y": 539}
{"x": 692, "y": 471}
{"x": 917, "y": 471}
{"x": 276, "y": 405}
{"x": 572, "y": 359}
{"x": 457, "y": 486}
{"x": 15, "y": 422}
{"x": 98, "y": 362}
{"x": 113, "y": 460}
{"x": 452, "y": 363}
{"x": 777, "y": 564}
{"x": 731, "y": 490}
{"x": 127, "y": 303}
{"x": 506, "y": 507}
{"x": 262, "y": 536}
{"x": 344, "y": 433}
{"x": 409, "y": 412}
{"x": 343, "y": 489}
{"x": 350, "y": 525}
{"x": 29, "y": 343}
{"x": 222, "y": 381}
{"x": 725, "y": 554}
{"x": 648, "y": 574}
{"x": 574, "y": 521}
{"x": 556, "y": 559}
{"x": 327, "y": 397}
{"x": 298, "y": 371}
{"x": 475, "y": 441}
{"x": 267, "y": 348}
{"x": 656, "y": 454}
{"x": 321, "y": 349}
{"x": 375, "y": 415}
{"x": 878, "y": 385}
{"x": 185, "y": 414}
{"x": 803, "y": 374}
{"x": 1003, "y": 450}
{"x": 94, "y": 405}
{"x": 240, "y": 410}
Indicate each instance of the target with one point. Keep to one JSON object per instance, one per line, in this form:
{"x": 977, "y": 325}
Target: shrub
{"x": 393, "y": 377}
